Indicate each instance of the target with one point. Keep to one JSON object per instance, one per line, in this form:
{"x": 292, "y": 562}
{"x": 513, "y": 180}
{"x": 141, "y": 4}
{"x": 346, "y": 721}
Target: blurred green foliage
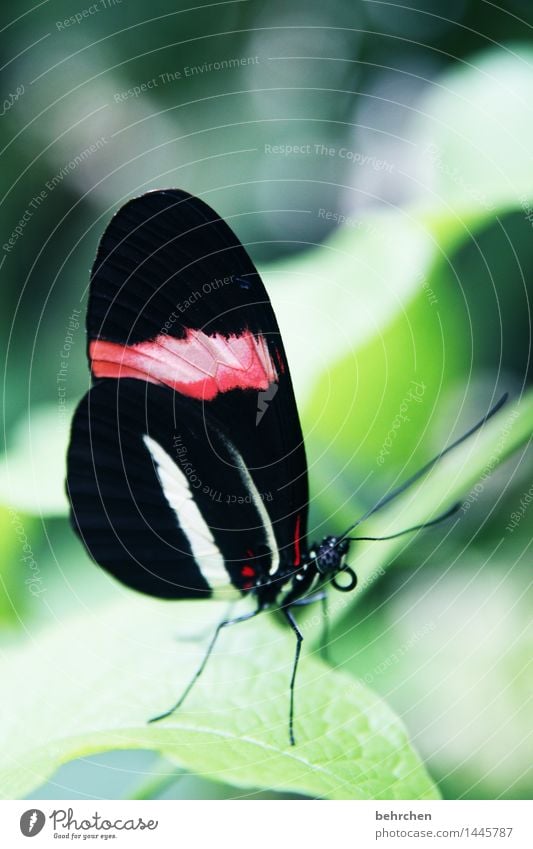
{"x": 411, "y": 127}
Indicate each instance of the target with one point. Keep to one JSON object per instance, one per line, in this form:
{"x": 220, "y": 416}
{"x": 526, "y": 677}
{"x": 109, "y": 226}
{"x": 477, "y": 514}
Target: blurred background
{"x": 375, "y": 159}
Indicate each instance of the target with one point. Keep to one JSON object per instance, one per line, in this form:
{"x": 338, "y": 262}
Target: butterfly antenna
{"x": 442, "y": 518}
{"x": 421, "y": 472}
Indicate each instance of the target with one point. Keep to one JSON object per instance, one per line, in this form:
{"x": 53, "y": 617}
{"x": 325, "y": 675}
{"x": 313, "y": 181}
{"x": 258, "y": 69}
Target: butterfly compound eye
{"x": 329, "y": 556}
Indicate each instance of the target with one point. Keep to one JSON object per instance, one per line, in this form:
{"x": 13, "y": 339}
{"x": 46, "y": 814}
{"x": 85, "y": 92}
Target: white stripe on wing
{"x": 178, "y": 493}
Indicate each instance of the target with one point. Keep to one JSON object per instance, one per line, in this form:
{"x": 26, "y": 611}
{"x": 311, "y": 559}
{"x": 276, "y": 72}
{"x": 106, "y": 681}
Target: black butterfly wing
{"x": 177, "y": 304}
{"x": 161, "y": 498}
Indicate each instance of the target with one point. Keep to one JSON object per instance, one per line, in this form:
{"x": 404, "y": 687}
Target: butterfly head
{"x": 328, "y": 559}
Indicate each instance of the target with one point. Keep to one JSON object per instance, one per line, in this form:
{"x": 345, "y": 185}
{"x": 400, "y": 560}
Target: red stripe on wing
{"x": 199, "y": 366}
{"x": 297, "y": 552}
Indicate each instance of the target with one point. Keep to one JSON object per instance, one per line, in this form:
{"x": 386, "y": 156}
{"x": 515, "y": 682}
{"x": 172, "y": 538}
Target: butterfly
{"x": 186, "y": 469}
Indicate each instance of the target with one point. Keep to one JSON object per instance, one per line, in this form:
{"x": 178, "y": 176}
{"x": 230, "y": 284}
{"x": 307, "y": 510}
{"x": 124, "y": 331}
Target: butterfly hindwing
{"x": 161, "y": 498}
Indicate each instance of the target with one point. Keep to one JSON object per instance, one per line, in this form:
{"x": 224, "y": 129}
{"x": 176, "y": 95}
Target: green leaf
{"x": 453, "y": 652}
{"x": 92, "y": 683}
{"x": 395, "y": 378}
{"x": 474, "y": 131}
{"x": 346, "y": 290}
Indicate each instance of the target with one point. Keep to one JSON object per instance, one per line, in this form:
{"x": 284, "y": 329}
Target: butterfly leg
{"x": 324, "y": 636}
{"x": 299, "y": 640}
{"x": 194, "y": 679}
{"x": 322, "y": 597}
